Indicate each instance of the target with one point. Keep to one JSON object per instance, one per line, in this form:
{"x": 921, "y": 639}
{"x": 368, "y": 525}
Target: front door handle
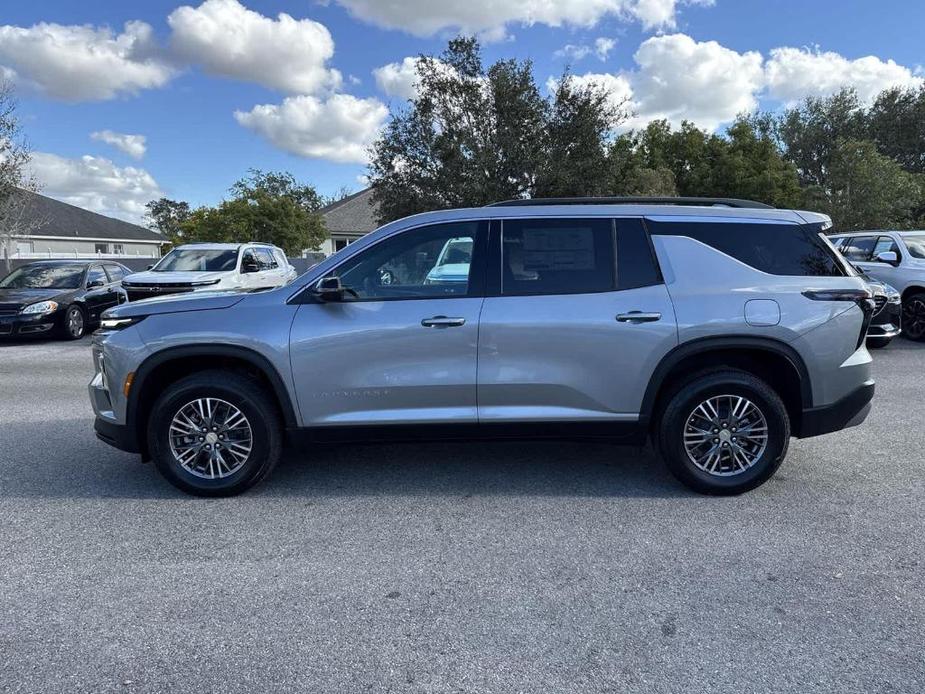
{"x": 638, "y": 317}
{"x": 443, "y": 322}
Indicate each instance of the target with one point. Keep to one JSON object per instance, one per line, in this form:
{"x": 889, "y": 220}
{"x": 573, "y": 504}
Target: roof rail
{"x": 698, "y": 202}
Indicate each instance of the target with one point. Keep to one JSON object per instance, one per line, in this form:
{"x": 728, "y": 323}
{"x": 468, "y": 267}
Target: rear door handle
{"x": 638, "y": 317}
{"x": 443, "y": 322}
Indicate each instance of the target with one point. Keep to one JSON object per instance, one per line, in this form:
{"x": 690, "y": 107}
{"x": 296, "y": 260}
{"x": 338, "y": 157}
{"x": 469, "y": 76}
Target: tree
{"x": 167, "y": 216}
{"x": 16, "y": 183}
{"x": 867, "y": 190}
{"x": 473, "y": 136}
{"x": 269, "y": 207}
{"x": 896, "y": 124}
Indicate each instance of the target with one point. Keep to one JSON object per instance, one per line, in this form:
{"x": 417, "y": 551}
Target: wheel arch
{"x": 774, "y": 361}
{"x": 910, "y": 290}
{"x": 169, "y": 365}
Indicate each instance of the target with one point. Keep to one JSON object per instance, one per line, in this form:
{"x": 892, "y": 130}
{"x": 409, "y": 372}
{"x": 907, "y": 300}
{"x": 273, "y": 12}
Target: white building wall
{"x": 64, "y": 248}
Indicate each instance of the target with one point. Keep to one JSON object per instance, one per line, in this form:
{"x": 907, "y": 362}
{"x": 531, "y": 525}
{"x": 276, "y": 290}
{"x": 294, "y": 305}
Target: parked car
{"x": 887, "y": 319}
{"x": 59, "y": 297}
{"x": 718, "y": 328}
{"x": 898, "y": 259}
{"x": 212, "y": 266}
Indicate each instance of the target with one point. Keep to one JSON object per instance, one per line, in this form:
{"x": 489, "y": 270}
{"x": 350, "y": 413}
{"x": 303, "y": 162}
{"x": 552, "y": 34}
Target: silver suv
{"x": 896, "y": 258}
{"x": 719, "y": 328}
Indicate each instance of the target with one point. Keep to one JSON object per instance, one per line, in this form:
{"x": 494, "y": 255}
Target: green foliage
{"x": 268, "y": 207}
{"x": 167, "y": 216}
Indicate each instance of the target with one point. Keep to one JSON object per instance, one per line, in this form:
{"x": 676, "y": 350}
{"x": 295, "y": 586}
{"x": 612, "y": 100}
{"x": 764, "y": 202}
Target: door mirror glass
{"x": 95, "y": 284}
{"x": 887, "y": 257}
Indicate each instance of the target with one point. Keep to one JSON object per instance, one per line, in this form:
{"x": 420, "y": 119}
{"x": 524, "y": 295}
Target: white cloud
{"x": 679, "y": 78}
{"x": 398, "y": 79}
{"x": 96, "y": 184}
{"x": 618, "y": 87}
{"x": 133, "y": 145}
{"x": 339, "y": 129}
{"x": 81, "y": 63}
{"x": 229, "y": 40}
{"x": 794, "y": 73}
{"x": 490, "y": 18}
{"x": 577, "y": 52}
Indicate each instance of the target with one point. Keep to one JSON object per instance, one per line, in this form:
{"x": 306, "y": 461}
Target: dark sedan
{"x": 59, "y": 297}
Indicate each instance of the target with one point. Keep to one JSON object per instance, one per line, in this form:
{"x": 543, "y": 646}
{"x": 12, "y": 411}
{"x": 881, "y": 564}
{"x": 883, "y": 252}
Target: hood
{"x": 177, "y": 303}
{"x": 450, "y": 272}
{"x": 17, "y": 298}
{"x": 149, "y": 277}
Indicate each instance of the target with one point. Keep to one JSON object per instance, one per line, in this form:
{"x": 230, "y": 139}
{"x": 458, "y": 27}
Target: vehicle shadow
{"x": 70, "y": 463}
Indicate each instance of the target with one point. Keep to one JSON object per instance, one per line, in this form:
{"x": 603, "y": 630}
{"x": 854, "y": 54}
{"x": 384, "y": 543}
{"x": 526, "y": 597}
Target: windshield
{"x": 915, "y": 244}
{"x": 44, "y": 277}
{"x": 456, "y": 252}
{"x": 196, "y": 260}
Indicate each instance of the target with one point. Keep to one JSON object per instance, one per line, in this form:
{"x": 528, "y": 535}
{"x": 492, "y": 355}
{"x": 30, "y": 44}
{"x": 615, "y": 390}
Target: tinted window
{"x": 198, "y": 260}
{"x": 859, "y": 248}
{"x": 557, "y": 256}
{"x": 915, "y": 244}
{"x": 44, "y": 277}
{"x": 96, "y": 274}
{"x": 115, "y": 272}
{"x": 636, "y": 265}
{"x": 778, "y": 249}
{"x": 407, "y": 266}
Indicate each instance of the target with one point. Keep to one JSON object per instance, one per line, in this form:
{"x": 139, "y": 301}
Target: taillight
{"x": 864, "y": 298}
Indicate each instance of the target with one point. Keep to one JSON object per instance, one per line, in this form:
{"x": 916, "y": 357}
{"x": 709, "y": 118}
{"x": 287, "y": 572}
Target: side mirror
{"x": 329, "y": 289}
{"x": 888, "y": 257}
{"x": 249, "y": 266}
{"x": 95, "y": 284}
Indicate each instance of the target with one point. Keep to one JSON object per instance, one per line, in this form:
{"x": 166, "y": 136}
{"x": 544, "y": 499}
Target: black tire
{"x": 245, "y": 394}
{"x": 681, "y": 404}
{"x": 74, "y": 323}
{"x": 914, "y": 317}
{"x": 878, "y": 342}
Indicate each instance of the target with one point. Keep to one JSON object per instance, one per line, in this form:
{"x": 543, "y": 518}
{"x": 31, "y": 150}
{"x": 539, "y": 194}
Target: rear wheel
{"x": 914, "y": 317}
{"x": 215, "y": 433}
{"x": 724, "y": 432}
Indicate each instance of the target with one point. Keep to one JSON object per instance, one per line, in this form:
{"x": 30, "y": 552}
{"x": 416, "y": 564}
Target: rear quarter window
{"x": 778, "y": 249}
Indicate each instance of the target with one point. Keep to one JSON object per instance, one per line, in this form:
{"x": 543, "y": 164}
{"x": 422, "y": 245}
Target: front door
{"x": 101, "y": 293}
{"x": 401, "y": 347}
{"x": 879, "y": 270}
{"x": 574, "y": 333}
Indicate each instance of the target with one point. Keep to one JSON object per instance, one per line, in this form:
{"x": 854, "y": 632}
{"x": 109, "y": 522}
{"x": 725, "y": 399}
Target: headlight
{"x": 40, "y": 307}
{"x": 119, "y": 323}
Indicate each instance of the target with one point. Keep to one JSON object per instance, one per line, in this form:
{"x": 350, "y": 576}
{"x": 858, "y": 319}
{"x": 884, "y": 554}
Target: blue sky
{"x": 308, "y": 100}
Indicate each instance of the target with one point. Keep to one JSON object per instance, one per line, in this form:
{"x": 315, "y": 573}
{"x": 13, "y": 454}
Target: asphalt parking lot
{"x": 504, "y": 567}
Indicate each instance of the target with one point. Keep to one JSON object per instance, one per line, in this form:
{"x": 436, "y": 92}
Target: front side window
{"x": 44, "y": 277}
{"x": 266, "y": 259}
{"x": 915, "y": 244}
{"x": 198, "y": 260}
{"x": 115, "y": 273}
{"x": 408, "y": 265}
{"x": 859, "y": 249}
{"x": 557, "y": 256}
{"x": 96, "y": 276}
{"x": 884, "y": 245}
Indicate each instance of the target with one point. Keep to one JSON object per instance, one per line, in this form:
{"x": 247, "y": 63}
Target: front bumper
{"x": 116, "y": 435}
{"x": 850, "y": 411}
{"x": 20, "y": 325}
{"x": 887, "y": 323}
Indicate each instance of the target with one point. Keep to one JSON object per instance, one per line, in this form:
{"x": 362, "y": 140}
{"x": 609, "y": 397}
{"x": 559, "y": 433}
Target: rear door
{"x": 579, "y": 319}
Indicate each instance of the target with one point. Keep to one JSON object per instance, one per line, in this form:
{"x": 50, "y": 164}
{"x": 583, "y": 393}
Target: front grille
{"x": 7, "y": 310}
{"x": 137, "y": 292}
{"x": 879, "y": 303}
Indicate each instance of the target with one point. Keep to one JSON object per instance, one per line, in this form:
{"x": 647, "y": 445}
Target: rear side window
{"x": 557, "y": 256}
{"x": 915, "y": 244}
{"x": 778, "y": 249}
{"x": 859, "y": 248}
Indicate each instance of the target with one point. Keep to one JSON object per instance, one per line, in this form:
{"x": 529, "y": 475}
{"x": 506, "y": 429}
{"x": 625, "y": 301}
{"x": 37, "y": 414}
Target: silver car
{"x": 896, "y": 258}
{"x": 717, "y": 328}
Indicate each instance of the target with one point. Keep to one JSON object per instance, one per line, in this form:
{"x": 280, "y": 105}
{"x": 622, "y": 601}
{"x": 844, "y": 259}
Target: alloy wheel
{"x": 914, "y": 318}
{"x": 210, "y": 438}
{"x": 725, "y": 435}
{"x": 75, "y": 322}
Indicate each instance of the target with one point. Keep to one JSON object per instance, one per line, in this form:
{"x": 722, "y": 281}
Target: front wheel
{"x": 914, "y": 317}
{"x": 75, "y": 323}
{"x": 724, "y": 432}
{"x": 215, "y": 433}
